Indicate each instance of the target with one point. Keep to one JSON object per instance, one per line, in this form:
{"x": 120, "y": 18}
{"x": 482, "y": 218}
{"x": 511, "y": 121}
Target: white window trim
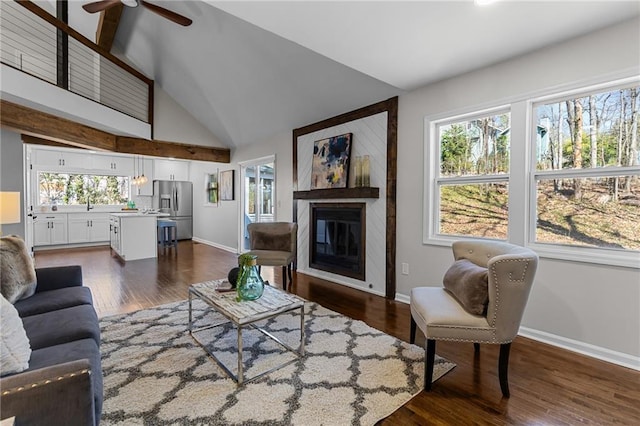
{"x": 524, "y": 182}
{"x": 433, "y": 181}
{"x": 596, "y": 255}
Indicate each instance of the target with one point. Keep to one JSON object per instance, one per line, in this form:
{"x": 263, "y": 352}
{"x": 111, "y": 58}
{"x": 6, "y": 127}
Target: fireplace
{"x": 338, "y": 238}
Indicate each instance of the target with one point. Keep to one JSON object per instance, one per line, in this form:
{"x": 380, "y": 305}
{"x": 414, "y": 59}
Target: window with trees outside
{"x": 587, "y": 170}
{"x": 76, "y": 189}
{"x": 472, "y": 183}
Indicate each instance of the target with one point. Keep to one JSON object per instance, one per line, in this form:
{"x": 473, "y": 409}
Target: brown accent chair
{"x": 274, "y": 244}
{"x": 441, "y": 316}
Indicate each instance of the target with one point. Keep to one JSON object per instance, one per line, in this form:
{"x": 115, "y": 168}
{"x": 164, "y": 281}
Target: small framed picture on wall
{"x": 226, "y": 185}
{"x": 211, "y": 189}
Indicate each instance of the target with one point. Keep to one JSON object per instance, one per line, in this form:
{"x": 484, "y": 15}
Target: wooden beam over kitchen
{"x": 157, "y": 148}
{"x": 41, "y": 128}
{"x": 108, "y": 26}
{"x": 40, "y": 124}
{"x": 39, "y": 141}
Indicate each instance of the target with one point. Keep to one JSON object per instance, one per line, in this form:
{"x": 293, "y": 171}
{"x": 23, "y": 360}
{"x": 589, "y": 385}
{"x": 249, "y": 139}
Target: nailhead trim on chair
{"x": 495, "y": 279}
{"x": 44, "y": 382}
{"x": 448, "y": 339}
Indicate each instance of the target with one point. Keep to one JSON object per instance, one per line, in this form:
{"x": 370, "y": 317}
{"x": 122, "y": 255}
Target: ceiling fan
{"x": 99, "y": 6}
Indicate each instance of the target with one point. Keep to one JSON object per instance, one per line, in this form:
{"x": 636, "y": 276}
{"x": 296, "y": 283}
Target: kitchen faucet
{"x": 88, "y": 205}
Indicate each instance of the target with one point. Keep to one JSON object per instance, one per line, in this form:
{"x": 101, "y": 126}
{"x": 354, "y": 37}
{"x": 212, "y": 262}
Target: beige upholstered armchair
{"x": 466, "y": 317}
{"x": 274, "y": 244}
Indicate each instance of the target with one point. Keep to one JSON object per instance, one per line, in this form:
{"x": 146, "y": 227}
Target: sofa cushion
{"x": 17, "y": 274}
{"x": 469, "y": 284}
{"x": 57, "y": 277}
{"x": 14, "y": 344}
{"x": 72, "y": 351}
{"x": 53, "y": 300}
{"x": 62, "y": 326}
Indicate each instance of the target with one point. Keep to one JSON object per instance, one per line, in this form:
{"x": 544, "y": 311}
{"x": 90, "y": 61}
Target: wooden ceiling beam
{"x": 40, "y": 124}
{"x": 108, "y": 26}
{"x": 43, "y": 126}
{"x": 33, "y": 140}
{"x": 157, "y": 148}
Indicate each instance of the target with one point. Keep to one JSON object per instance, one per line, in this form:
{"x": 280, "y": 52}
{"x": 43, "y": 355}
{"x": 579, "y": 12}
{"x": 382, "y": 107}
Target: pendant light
{"x": 143, "y": 178}
{"x": 135, "y": 178}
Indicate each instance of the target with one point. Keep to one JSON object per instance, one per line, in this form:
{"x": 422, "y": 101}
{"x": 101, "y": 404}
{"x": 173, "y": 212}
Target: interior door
{"x": 29, "y": 200}
{"x": 257, "y": 194}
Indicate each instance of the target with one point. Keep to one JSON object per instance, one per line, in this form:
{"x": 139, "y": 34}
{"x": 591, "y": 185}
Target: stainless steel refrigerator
{"x": 176, "y": 198}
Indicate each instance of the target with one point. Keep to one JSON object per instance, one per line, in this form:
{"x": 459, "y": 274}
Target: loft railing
{"x": 35, "y": 42}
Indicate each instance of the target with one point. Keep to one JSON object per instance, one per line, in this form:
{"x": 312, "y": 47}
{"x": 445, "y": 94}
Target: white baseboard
{"x": 216, "y": 245}
{"x": 583, "y": 348}
{"x": 336, "y": 280}
{"x": 403, "y": 298}
{"x": 587, "y": 349}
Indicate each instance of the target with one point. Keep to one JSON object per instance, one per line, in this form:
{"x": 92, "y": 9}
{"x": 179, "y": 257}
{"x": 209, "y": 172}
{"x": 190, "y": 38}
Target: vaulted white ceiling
{"x": 251, "y": 70}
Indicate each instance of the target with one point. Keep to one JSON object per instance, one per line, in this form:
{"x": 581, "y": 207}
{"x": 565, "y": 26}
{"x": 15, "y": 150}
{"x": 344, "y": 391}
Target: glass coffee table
{"x": 245, "y": 314}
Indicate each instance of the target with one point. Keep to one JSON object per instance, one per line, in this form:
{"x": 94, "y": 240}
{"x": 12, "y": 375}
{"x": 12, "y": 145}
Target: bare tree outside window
{"x": 474, "y": 167}
{"x": 588, "y": 188}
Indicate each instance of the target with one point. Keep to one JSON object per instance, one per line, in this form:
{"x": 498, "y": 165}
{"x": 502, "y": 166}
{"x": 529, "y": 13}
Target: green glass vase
{"x": 250, "y": 285}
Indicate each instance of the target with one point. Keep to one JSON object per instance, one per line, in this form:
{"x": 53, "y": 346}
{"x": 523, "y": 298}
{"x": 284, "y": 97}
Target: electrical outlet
{"x": 405, "y": 269}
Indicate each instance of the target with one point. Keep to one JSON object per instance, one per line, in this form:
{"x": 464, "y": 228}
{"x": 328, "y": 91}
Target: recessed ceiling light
{"x": 484, "y": 2}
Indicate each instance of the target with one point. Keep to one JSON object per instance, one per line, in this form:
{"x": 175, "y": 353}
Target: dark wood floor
{"x": 548, "y": 385}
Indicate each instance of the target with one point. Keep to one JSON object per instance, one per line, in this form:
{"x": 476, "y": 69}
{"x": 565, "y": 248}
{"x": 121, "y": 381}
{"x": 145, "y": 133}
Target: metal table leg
{"x": 190, "y": 316}
{"x": 240, "y": 372}
{"x": 302, "y": 333}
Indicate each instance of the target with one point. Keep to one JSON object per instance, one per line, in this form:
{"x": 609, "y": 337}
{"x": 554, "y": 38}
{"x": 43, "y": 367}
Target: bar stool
{"x": 168, "y": 233}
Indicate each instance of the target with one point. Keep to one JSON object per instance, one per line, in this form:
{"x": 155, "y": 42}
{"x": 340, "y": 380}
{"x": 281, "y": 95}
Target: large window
{"x": 77, "y": 189}
{"x": 471, "y": 185}
{"x": 587, "y": 170}
{"x": 568, "y": 185}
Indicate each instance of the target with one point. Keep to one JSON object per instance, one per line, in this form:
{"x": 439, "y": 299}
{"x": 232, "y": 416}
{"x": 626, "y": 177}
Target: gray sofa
{"x": 64, "y": 334}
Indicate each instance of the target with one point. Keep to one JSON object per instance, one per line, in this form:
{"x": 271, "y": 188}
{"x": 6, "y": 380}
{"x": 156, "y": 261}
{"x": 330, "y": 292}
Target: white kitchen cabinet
{"x": 114, "y": 234}
{"x": 134, "y": 235}
{"x": 61, "y": 159}
{"x": 147, "y": 169}
{"x": 87, "y": 228}
{"x": 49, "y": 229}
{"x": 100, "y": 228}
{"x": 120, "y": 165}
{"x": 170, "y": 170}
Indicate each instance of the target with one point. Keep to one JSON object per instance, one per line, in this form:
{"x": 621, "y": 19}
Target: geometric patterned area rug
{"x": 351, "y": 374}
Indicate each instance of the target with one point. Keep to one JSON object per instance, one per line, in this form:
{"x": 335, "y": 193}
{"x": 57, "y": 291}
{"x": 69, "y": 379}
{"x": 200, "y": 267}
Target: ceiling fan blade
{"x": 172, "y": 16}
{"x": 99, "y": 6}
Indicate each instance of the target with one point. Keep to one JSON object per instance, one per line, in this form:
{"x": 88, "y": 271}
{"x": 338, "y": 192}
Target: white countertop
{"x": 140, "y": 214}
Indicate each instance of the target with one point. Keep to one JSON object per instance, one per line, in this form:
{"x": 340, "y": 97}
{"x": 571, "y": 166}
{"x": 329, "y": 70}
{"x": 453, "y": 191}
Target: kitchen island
{"x": 134, "y": 235}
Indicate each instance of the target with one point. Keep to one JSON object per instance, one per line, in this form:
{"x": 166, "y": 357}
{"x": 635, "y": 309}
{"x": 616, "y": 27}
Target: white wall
{"x": 590, "y": 308}
{"x": 218, "y": 226}
{"x": 214, "y": 225}
{"x": 172, "y": 123}
{"x": 11, "y": 174}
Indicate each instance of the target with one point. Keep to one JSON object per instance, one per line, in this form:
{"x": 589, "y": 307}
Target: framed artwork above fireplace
{"x": 330, "y": 166}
